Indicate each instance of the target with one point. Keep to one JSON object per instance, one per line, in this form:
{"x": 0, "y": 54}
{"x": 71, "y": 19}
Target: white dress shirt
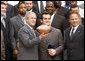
{"x": 75, "y": 28}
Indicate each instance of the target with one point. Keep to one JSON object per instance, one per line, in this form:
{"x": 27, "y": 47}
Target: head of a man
{"x": 3, "y": 8}
{"x": 6, "y": 2}
{"x": 57, "y": 4}
{"x": 22, "y": 9}
{"x": 50, "y": 8}
{"x": 74, "y": 19}
{"x": 31, "y": 18}
{"x": 29, "y": 5}
{"x": 74, "y": 8}
{"x": 73, "y": 2}
{"x": 46, "y": 18}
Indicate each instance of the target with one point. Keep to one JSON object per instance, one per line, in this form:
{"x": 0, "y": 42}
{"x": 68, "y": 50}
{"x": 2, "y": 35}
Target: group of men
{"x": 22, "y": 41}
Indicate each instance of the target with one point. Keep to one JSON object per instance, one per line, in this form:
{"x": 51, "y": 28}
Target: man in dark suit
{"x": 5, "y": 29}
{"x": 74, "y": 38}
{"x": 61, "y": 10}
{"x": 75, "y": 8}
{"x": 40, "y": 6}
{"x": 30, "y": 6}
{"x": 15, "y": 24}
{"x": 9, "y": 9}
{"x": 28, "y": 41}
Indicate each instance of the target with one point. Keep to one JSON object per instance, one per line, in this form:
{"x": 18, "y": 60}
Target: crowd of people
{"x": 20, "y": 39}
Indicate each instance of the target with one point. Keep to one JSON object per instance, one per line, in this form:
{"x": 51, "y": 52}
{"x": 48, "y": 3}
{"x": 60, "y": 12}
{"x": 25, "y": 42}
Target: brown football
{"x": 44, "y": 29}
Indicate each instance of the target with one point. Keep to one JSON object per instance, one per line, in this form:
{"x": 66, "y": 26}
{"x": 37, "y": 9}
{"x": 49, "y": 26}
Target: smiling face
{"x": 74, "y": 19}
{"x": 46, "y": 19}
{"x": 31, "y": 20}
{"x": 3, "y": 9}
{"x": 50, "y": 7}
{"x": 29, "y": 5}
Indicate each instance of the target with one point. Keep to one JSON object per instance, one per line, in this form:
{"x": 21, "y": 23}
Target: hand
{"x": 42, "y": 36}
{"x": 15, "y": 53}
{"x": 52, "y": 52}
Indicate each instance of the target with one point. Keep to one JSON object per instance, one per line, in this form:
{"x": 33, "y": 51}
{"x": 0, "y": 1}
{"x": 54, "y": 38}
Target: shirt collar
{"x": 75, "y": 27}
{"x": 29, "y": 26}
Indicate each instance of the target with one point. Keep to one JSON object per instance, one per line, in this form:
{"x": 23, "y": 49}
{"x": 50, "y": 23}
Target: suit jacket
{"x": 10, "y": 11}
{"x": 64, "y": 12}
{"x": 15, "y": 24}
{"x": 28, "y": 49}
{"x": 7, "y": 42}
{"x": 75, "y": 47}
{"x": 53, "y": 38}
{"x": 2, "y": 47}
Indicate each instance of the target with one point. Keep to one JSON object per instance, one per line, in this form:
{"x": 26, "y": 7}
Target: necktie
{"x": 34, "y": 32}
{"x": 72, "y": 33}
{"x": 41, "y": 7}
{"x": 23, "y": 20}
{"x": 3, "y": 22}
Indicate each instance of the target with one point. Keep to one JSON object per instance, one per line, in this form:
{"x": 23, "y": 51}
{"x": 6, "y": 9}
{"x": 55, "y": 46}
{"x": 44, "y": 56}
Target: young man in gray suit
{"x": 51, "y": 47}
{"x": 28, "y": 49}
{"x": 15, "y": 24}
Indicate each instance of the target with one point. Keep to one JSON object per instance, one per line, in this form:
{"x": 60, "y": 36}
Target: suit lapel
{"x": 77, "y": 31}
{"x": 30, "y": 31}
{"x": 20, "y": 20}
{"x": 68, "y": 32}
{"x": 53, "y": 21}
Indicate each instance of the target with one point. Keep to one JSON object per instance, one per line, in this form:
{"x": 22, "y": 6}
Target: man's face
{"x": 76, "y": 9}
{"x": 50, "y": 7}
{"x": 73, "y": 2}
{"x": 31, "y": 20}
{"x": 22, "y": 9}
{"x": 58, "y": 4}
{"x": 46, "y": 19}
{"x": 74, "y": 20}
{"x": 3, "y": 9}
{"x": 29, "y": 5}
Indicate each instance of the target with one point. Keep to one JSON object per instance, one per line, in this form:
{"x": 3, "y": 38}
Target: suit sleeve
{"x": 12, "y": 35}
{"x": 59, "y": 49}
{"x": 27, "y": 39}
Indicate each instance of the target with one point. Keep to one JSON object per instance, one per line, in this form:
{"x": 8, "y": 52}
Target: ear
{"x": 41, "y": 20}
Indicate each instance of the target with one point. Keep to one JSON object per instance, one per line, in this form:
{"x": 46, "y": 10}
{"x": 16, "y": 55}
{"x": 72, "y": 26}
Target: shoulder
{"x": 55, "y": 29}
{"x": 24, "y": 29}
{"x": 59, "y": 16}
{"x": 14, "y": 18}
{"x": 69, "y": 28}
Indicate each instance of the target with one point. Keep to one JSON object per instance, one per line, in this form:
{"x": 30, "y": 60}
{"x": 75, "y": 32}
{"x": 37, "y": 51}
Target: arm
{"x": 59, "y": 49}
{"x": 26, "y": 38}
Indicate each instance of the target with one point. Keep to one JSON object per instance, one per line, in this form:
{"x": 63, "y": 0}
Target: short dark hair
{"x": 20, "y": 4}
{"x": 45, "y": 12}
{"x": 3, "y": 3}
{"x": 74, "y": 6}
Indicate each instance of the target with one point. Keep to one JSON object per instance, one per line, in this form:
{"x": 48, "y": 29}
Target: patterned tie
{"x": 41, "y": 7}
{"x": 72, "y": 33}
